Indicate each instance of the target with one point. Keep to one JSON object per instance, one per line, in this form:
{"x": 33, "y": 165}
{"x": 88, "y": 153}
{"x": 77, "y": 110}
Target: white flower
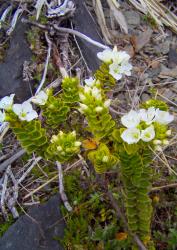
{"x": 114, "y": 70}
{"x": 131, "y": 135}
{"x": 96, "y": 93}
{"x": 98, "y": 109}
{"x": 163, "y": 117}
{"x": 90, "y": 82}
{"x": 40, "y": 99}
{"x": 126, "y": 69}
{"x": 77, "y": 144}
{"x": 148, "y": 134}
{"x": 147, "y": 115}
{"x": 7, "y": 102}
{"x": 25, "y": 111}
{"x": 131, "y": 120}
{"x": 120, "y": 56}
{"x": 107, "y": 103}
{"x": 82, "y": 97}
{"x": 105, "y": 158}
{"x": 2, "y": 116}
{"x": 105, "y": 56}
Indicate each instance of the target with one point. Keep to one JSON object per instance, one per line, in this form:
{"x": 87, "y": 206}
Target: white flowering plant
{"x": 126, "y": 144}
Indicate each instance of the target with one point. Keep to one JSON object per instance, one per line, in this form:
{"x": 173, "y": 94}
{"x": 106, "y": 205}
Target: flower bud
{"x": 168, "y": 133}
{"x": 59, "y": 148}
{"x": 158, "y": 148}
{"x": 165, "y": 142}
{"x": 98, "y": 109}
{"x": 77, "y": 144}
{"x": 73, "y": 133}
{"x": 157, "y": 142}
{"x": 107, "y": 103}
{"x": 82, "y": 97}
{"x": 61, "y": 133}
{"x": 54, "y": 138}
{"x": 105, "y": 158}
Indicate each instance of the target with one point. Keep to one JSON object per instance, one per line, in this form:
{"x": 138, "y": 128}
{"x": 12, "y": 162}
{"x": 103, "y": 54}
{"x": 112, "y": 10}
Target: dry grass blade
{"x": 119, "y": 17}
{"x": 101, "y": 20}
{"x": 158, "y": 11}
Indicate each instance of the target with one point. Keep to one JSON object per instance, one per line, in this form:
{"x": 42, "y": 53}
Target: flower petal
{"x": 148, "y": 134}
{"x": 163, "y": 117}
{"x": 131, "y": 120}
{"x": 31, "y": 116}
{"x": 131, "y": 135}
{"x": 17, "y": 109}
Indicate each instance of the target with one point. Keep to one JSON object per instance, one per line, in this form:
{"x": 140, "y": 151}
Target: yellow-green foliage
{"x": 100, "y": 122}
{"x": 102, "y": 159}
{"x": 102, "y": 74}
{"x": 55, "y": 111}
{"x": 70, "y": 87}
{"x": 31, "y": 136}
{"x": 156, "y": 104}
{"x": 63, "y": 147}
{"x": 136, "y": 176}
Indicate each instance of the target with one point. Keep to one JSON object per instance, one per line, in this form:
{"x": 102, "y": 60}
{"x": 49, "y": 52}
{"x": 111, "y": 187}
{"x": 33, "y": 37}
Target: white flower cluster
{"x": 92, "y": 93}
{"x": 24, "y": 111}
{"x": 132, "y": 121}
{"x": 118, "y": 62}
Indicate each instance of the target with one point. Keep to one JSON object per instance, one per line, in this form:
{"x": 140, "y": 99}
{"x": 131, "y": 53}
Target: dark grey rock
{"x": 132, "y": 17}
{"x": 37, "y": 233}
{"x": 84, "y": 23}
{"x": 11, "y": 70}
{"x": 172, "y": 57}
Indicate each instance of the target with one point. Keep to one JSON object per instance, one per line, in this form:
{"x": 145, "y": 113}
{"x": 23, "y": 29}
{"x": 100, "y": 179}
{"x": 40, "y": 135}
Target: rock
{"x": 37, "y": 233}
{"x": 11, "y": 79}
{"x": 166, "y": 72}
{"x": 154, "y": 72}
{"x": 145, "y": 97}
{"x": 163, "y": 47}
{"x": 172, "y": 57}
{"x": 132, "y": 17}
{"x": 84, "y": 23}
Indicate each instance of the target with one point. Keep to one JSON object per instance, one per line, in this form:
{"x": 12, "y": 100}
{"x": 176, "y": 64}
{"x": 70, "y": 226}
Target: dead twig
{"x": 164, "y": 187}
{"x": 12, "y": 159}
{"x": 46, "y": 63}
{"x": 3, "y": 193}
{"x": 61, "y": 188}
{"x": 29, "y": 169}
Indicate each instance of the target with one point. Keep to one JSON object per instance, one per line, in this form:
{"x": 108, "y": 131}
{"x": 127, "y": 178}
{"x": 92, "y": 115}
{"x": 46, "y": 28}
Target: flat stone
{"x": 84, "y": 23}
{"x": 37, "y": 233}
{"x": 172, "y": 57}
{"x": 11, "y": 69}
{"x": 132, "y": 17}
{"x": 163, "y": 47}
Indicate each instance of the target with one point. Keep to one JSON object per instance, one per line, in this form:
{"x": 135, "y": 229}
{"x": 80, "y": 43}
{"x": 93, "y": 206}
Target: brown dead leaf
{"x": 140, "y": 41}
{"x": 130, "y": 50}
